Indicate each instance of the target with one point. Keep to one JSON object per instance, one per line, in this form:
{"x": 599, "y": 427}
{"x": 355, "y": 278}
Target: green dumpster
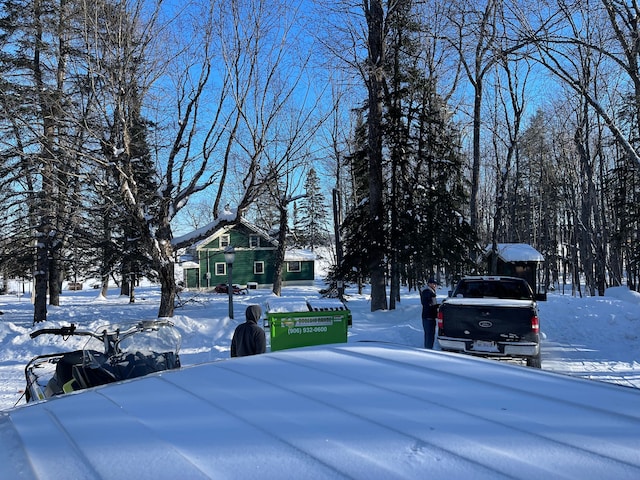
{"x": 292, "y": 329}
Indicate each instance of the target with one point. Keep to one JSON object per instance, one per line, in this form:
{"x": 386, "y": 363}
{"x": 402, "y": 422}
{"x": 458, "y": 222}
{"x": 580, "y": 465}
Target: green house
{"x": 254, "y": 263}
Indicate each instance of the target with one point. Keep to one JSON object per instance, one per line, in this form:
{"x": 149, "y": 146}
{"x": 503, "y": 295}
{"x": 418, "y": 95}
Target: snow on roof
{"x": 299, "y": 255}
{"x": 361, "y": 411}
{"x": 190, "y": 264}
{"x": 226, "y": 216}
{"x": 517, "y": 252}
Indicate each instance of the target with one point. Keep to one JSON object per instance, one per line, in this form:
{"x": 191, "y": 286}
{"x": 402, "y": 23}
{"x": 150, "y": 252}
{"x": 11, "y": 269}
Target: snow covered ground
{"x": 596, "y": 337}
{"x": 356, "y": 410}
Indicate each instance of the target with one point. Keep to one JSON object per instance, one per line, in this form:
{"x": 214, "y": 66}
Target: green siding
{"x": 211, "y": 253}
{"x": 239, "y": 238}
{"x": 306, "y": 272}
{"x": 191, "y": 278}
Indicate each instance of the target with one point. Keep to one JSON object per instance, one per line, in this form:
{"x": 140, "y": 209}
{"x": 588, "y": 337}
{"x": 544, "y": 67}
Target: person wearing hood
{"x": 429, "y": 312}
{"x": 249, "y": 338}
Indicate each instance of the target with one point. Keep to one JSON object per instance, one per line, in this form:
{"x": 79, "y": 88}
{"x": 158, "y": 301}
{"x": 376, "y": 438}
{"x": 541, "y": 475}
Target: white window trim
{"x": 298, "y": 270}
{"x": 225, "y": 240}
{"x": 224, "y": 269}
{"x": 255, "y": 272}
{"x": 255, "y": 238}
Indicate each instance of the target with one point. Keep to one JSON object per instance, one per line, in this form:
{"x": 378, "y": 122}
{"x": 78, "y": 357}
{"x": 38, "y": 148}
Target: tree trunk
{"x": 55, "y": 274}
{"x": 163, "y": 259}
{"x": 132, "y": 287}
{"x": 375, "y": 20}
{"x": 104, "y": 286}
{"x": 280, "y": 251}
{"x": 168, "y": 290}
{"x": 337, "y": 221}
{"x": 41, "y": 275}
{"x": 124, "y": 284}
{"x": 475, "y": 168}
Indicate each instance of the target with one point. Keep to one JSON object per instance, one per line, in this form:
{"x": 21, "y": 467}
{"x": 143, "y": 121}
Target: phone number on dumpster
{"x": 300, "y": 330}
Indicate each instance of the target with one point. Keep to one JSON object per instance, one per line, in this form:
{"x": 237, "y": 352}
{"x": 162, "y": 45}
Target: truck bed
{"x": 476, "y": 321}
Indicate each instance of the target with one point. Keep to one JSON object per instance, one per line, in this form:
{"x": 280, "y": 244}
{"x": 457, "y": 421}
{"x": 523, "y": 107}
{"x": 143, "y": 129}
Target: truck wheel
{"x": 534, "y": 362}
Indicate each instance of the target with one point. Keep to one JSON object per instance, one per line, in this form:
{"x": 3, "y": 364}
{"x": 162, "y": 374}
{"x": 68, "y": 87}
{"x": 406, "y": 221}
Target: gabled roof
{"x": 291, "y": 254}
{"x": 227, "y": 215}
{"x": 516, "y": 252}
{"x": 222, "y": 230}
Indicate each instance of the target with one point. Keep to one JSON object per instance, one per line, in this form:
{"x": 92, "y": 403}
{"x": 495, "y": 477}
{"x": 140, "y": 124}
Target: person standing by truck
{"x": 429, "y": 312}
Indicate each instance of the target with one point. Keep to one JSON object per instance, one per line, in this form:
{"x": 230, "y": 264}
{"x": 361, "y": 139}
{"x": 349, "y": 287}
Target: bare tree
{"x": 614, "y": 35}
{"x": 477, "y": 43}
{"x": 219, "y": 98}
{"x": 511, "y": 83}
{"x": 287, "y": 161}
{"x": 265, "y": 84}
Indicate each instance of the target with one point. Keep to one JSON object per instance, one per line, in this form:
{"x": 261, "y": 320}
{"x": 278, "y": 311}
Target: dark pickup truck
{"x": 491, "y": 317}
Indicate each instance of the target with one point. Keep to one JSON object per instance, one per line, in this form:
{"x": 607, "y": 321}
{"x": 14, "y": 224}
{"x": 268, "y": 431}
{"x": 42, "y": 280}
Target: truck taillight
{"x": 535, "y": 324}
{"x": 440, "y": 319}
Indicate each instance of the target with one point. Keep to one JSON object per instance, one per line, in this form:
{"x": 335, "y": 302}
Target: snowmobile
{"x": 111, "y": 354}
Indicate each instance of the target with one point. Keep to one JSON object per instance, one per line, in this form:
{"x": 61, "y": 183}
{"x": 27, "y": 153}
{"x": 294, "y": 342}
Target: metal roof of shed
{"x": 517, "y": 252}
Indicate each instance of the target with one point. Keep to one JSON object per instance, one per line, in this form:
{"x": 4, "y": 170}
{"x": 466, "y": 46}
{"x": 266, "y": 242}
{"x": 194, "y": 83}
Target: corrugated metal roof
{"x": 369, "y": 411}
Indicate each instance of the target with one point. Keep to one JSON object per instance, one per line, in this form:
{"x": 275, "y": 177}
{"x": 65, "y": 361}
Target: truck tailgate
{"x": 479, "y": 319}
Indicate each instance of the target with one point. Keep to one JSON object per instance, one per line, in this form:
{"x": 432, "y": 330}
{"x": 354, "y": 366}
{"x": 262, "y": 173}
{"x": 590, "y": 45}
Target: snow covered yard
{"x": 596, "y": 338}
{"x": 377, "y": 407}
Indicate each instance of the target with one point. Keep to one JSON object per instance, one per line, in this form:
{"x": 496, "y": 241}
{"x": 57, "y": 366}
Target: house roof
{"x": 291, "y": 255}
{"x": 226, "y": 228}
{"x": 361, "y": 411}
{"x": 226, "y": 216}
{"x": 516, "y": 252}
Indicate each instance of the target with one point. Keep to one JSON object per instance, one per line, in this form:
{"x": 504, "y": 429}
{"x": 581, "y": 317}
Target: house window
{"x": 258, "y": 268}
{"x": 221, "y": 268}
{"x": 225, "y": 240}
{"x": 294, "y": 266}
{"x": 254, "y": 241}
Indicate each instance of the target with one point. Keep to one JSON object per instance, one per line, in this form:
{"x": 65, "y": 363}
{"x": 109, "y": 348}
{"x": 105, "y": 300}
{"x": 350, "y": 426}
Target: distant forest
{"x": 435, "y": 129}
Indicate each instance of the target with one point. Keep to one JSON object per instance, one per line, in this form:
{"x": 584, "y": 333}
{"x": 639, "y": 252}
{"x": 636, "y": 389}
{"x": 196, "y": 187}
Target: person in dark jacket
{"x": 429, "y": 312}
{"x": 248, "y": 337}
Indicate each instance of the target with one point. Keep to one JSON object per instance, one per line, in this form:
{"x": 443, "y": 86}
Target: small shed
{"x": 517, "y": 260}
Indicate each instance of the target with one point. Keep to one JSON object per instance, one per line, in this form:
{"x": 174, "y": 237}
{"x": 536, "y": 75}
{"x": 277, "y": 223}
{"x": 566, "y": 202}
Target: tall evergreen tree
{"x": 355, "y": 266}
{"x": 441, "y": 238}
{"x": 314, "y": 213}
{"x": 42, "y": 112}
{"x": 425, "y": 194}
{"x": 376, "y": 16}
